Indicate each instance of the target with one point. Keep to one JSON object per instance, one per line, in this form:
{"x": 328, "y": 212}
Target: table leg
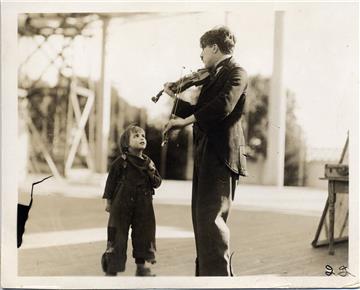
{"x": 331, "y": 216}
{"x": 321, "y": 224}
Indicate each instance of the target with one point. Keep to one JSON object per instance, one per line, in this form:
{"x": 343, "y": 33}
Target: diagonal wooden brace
{"x": 76, "y": 107}
{"x": 42, "y": 148}
{"x": 81, "y": 126}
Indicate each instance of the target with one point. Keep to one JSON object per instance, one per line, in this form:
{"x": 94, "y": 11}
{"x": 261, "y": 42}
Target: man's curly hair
{"x": 222, "y": 36}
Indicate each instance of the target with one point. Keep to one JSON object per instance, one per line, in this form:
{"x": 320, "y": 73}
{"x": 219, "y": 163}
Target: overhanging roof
{"x": 72, "y": 24}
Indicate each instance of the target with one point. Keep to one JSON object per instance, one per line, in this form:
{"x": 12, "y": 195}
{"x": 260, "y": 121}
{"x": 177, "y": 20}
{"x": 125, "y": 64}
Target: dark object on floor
{"x": 23, "y": 214}
{"x": 104, "y": 265}
{"x": 144, "y": 272}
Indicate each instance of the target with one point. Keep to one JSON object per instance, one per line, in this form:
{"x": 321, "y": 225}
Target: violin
{"x": 197, "y": 78}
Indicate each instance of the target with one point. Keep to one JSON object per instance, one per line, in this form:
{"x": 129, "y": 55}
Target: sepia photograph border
{"x": 9, "y": 184}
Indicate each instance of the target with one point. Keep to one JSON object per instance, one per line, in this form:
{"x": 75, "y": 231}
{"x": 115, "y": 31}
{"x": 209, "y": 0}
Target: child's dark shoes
{"x": 144, "y": 271}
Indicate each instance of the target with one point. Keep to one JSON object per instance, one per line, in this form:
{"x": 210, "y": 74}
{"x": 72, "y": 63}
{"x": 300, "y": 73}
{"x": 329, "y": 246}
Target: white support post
{"x": 103, "y": 105}
{"x": 275, "y": 160}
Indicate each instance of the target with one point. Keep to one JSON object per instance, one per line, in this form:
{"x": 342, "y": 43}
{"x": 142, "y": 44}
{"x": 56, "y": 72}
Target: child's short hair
{"x": 222, "y": 36}
{"x": 125, "y": 137}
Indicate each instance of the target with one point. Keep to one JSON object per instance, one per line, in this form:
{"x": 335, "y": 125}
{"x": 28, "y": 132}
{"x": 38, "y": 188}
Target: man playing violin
{"x": 219, "y": 149}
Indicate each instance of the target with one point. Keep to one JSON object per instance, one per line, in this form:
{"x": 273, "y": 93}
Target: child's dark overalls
{"x": 130, "y": 186}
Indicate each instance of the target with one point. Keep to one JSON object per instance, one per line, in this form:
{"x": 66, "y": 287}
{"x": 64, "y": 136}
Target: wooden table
{"x": 335, "y": 185}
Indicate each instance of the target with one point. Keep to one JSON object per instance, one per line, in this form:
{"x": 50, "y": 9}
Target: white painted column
{"x": 103, "y": 103}
{"x": 274, "y": 166}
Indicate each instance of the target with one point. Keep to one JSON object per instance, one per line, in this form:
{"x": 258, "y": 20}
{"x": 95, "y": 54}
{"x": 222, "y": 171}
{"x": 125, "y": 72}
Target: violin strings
{"x": 177, "y": 92}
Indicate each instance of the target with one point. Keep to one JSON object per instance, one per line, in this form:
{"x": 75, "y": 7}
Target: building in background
{"x": 315, "y": 165}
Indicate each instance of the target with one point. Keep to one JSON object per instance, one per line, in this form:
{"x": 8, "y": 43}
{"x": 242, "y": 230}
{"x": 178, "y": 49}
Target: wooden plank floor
{"x": 264, "y": 242}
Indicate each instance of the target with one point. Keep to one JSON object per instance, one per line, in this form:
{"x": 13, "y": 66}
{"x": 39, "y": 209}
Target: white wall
{"x": 314, "y": 171}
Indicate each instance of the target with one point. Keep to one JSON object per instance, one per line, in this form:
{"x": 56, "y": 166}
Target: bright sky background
{"x": 320, "y": 57}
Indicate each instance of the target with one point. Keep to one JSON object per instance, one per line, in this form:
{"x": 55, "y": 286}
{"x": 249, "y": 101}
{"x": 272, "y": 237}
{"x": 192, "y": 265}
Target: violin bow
{"x": 173, "y": 110}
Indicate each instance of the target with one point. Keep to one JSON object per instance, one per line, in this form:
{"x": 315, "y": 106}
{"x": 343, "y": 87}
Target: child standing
{"x": 128, "y": 191}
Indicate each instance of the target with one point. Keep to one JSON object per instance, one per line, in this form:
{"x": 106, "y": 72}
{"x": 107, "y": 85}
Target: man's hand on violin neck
{"x": 167, "y": 89}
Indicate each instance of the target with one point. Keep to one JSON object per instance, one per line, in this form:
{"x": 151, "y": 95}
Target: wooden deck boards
{"x": 265, "y": 243}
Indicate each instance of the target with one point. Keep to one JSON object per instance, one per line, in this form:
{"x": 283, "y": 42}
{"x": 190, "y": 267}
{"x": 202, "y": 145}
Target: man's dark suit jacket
{"x": 218, "y": 112}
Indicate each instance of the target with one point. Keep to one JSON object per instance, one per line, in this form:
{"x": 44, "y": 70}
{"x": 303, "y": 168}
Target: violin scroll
{"x": 197, "y": 78}
{"x": 157, "y": 97}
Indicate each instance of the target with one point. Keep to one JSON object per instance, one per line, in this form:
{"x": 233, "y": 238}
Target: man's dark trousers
{"x": 213, "y": 187}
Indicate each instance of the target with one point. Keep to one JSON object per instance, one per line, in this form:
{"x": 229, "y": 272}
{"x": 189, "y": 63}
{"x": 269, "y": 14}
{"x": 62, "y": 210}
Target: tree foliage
{"x": 256, "y": 119}
{"x": 255, "y": 116}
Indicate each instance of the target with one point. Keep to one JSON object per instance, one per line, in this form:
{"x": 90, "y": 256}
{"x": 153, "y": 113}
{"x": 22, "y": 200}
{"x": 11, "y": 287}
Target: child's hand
{"x": 152, "y": 166}
{"x": 108, "y": 205}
